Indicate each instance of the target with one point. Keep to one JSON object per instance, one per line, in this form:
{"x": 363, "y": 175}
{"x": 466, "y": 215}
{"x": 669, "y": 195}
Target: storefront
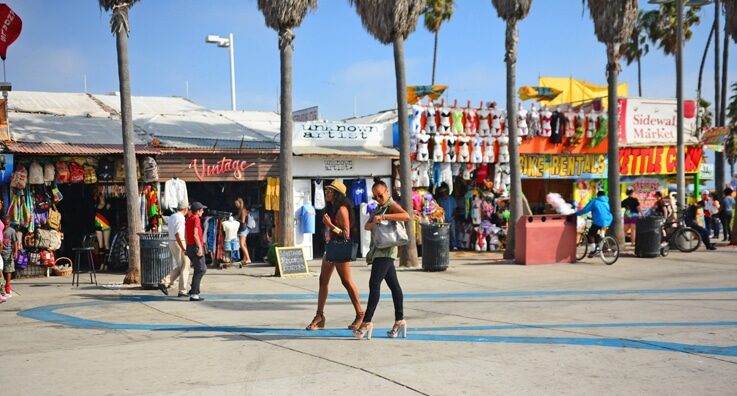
{"x": 353, "y": 153}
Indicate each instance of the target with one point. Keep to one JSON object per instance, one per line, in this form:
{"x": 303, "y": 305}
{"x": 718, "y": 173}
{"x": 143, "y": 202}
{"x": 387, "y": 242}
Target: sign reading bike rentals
{"x": 204, "y": 169}
{"x": 586, "y": 166}
{"x": 660, "y": 160}
{"x": 339, "y": 134}
{"x": 653, "y": 122}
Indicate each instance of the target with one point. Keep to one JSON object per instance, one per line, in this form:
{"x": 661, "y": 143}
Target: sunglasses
{"x": 377, "y": 197}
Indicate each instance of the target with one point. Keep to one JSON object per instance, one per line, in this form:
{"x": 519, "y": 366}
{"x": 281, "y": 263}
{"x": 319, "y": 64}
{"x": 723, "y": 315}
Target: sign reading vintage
{"x": 660, "y": 160}
{"x": 226, "y": 165}
{"x": 587, "y": 166}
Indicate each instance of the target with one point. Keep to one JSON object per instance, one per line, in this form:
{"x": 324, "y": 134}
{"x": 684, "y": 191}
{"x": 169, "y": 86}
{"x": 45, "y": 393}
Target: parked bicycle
{"x": 679, "y": 235}
{"x": 608, "y": 247}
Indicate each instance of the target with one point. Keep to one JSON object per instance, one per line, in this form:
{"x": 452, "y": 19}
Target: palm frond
{"x": 730, "y": 11}
{"x": 613, "y": 19}
{"x": 512, "y": 10}
{"x": 437, "y": 12}
{"x": 285, "y": 14}
{"x": 388, "y": 19}
{"x": 108, "y": 5}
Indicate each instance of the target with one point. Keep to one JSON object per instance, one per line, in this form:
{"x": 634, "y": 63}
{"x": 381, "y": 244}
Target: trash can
{"x": 648, "y": 236}
{"x": 435, "y": 247}
{"x": 545, "y": 239}
{"x": 156, "y": 260}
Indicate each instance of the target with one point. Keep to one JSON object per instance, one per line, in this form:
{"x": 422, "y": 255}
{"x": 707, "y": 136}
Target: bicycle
{"x": 679, "y": 235}
{"x": 608, "y": 247}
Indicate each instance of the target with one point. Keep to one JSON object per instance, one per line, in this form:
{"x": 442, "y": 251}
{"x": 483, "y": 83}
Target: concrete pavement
{"x": 641, "y": 326}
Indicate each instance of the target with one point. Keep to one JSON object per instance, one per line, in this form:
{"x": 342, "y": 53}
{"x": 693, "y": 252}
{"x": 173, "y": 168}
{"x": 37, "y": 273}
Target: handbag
{"x": 389, "y": 234}
{"x": 54, "y": 220}
{"x": 339, "y": 250}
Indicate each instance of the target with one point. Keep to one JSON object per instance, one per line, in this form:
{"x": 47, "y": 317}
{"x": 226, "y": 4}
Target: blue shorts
{"x": 231, "y": 245}
{"x": 243, "y": 233}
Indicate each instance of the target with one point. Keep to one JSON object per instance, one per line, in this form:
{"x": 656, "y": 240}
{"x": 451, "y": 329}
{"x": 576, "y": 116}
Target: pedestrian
{"x": 9, "y": 253}
{"x": 716, "y": 219}
{"x": 691, "y": 216}
{"x": 727, "y": 206}
{"x": 381, "y": 261}
{"x": 337, "y": 221}
{"x": 195, "y": 248}
{"x": 632, "y": 212}
{"x": 178, "y": 249}
{"x": 601, "y": 218}
{"x": 243, "y": 230}
{"x": 449, "y": 205}
{"x": 706, "y": 209}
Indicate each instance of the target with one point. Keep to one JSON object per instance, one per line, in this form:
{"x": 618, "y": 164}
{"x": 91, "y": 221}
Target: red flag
{"x": 10, "y": 27}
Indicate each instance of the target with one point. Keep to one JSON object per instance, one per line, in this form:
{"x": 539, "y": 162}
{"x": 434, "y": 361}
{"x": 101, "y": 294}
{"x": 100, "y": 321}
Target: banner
{"x": 587, "y": 166}
{"x": 416, "y": 93}
{"x": 577, "y": 91}
{"x": 714, "y": 138}
{"x": 538, "y": 93}
{"x": 660, "y": 160}
{"x": 652, "y": 122}
{"x": 9, "y": 30}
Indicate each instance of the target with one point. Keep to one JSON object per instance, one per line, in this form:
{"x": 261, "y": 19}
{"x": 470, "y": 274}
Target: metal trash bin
{"x": 435, "y": 247}
{"x": 648, "y": 236}
{"x": 156, "y": 260}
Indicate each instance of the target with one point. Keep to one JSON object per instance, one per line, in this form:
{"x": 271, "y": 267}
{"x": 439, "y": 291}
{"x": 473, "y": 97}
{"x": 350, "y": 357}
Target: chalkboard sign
{"x": 291, "y": 261}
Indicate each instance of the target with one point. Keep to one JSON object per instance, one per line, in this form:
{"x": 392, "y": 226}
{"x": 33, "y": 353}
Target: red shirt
{"x": 189, "y": 227}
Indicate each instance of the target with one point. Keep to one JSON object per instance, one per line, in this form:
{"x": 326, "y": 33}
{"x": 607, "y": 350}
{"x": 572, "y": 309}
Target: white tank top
{"x": 319, "y": 196}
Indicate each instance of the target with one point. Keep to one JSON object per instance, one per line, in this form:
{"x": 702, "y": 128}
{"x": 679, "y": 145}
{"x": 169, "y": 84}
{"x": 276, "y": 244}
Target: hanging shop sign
{"x": 714, "y": 138}
{"x": 339, "y": 167}
{"x": 218, "y": 168}
{"x": 660, "y": 160}
{"x": 340, "y": 134}
{"x": 235, "y": 168}
{"x": 652, "y": 122}
{"x": 587, "y": 166}
{"x": 707, "y": 171}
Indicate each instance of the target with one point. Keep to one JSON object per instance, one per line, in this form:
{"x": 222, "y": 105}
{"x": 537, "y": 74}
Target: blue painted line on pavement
{"x": 574, "y": 326}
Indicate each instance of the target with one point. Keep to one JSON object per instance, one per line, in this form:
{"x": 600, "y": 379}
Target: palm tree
{"x": 120, "y": 26}
{"x": 283, "y": 16}
{"x": 636, "y": 48}
{"x": 730, "y": 147}
{"x": 613, "y": 24}
{"x": 391, "y": 22}
{"x": 437, "y": 12}
{"x": 512, "y": 11}
{"x": 661, "y": 23}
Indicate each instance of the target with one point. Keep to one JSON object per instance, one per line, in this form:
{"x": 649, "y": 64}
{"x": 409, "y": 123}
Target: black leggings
{"x": 383, "y": 269}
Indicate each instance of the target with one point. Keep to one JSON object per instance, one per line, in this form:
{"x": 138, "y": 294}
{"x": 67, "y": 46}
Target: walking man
{"x": 178, "y": 249}
{"x": 195, "y": 249}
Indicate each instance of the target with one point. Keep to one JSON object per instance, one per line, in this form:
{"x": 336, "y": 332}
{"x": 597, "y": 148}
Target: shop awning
{"x": 347, "y": 151}
{"x": 73, "y": 149}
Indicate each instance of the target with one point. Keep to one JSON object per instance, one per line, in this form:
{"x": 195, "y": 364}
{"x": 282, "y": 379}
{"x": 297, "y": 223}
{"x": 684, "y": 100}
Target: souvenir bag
{"x": 90, "y": 175}
{"x": 49, "y": 173}
{"x": 35, "y": 173}
{"x": 21, "y": 262}
{"x": 29, "y": 240}
{"x": 56, "y": 194}
{"x": 46, "y": 258}
{"x": 42, "y": 200}
{"x": 54, "y": 220}
{"x": 105, "y": 169}
{"x": 150, "y": 170}
{"x": 62, "y": 172}
{"x": 48, "y": 239}
{"x": 20, "y": 177}
{"x": 389, "y": 233}
{"x": 76, "y": 173}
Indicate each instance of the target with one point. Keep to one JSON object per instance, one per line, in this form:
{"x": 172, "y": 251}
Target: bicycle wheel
{"x": 582, "y": 247}
{"x": 609, "y": 250}
{"x": 687, "y": 239}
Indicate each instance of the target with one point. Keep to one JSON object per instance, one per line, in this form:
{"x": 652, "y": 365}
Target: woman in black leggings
{"x": 382, "y": 266}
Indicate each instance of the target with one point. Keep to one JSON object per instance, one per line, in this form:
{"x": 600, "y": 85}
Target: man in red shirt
{"x": 195, "y": 249}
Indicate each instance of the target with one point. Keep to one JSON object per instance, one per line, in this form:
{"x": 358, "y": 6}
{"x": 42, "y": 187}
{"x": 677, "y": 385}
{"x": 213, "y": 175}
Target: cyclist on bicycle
{"x": 602, "y": 217}
{"x": 691, "y": 214}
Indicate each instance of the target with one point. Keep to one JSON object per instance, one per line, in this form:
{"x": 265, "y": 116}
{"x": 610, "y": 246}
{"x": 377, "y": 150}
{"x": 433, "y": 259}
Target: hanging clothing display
{"x": 358, "y": 192}
{"x": 319, "y": 195}
{"x": 557, "y": 125}
{"x": 272, "y": 194}
{"x": 307, "y": 218}
{"x": 175, "y": 194}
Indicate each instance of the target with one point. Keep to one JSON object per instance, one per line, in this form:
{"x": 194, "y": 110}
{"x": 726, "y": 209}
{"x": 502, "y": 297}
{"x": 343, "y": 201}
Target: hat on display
{"x": 197, "y": 206}
{"x": 338, "y": 186}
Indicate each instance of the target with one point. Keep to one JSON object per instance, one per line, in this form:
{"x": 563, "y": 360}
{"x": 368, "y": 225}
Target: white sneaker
{"x": 8, "y": 295}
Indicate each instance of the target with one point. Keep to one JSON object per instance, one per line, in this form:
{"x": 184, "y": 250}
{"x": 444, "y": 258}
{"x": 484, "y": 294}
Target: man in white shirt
{"x": 177, "y": 247}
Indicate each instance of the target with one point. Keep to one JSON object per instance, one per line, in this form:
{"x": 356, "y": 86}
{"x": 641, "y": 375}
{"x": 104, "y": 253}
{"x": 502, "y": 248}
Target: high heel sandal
{"x": 318, "y": 322}
{"x": 366, "y": 329}
{"x": 399, "y": 326}
{"x": 356, "y": 322}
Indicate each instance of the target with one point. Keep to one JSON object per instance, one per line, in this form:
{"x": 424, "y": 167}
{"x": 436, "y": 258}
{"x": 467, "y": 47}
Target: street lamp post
{"x": 223, "y": 42}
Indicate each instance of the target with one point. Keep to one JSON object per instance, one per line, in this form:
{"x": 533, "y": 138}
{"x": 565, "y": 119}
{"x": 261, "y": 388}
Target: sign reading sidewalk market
{"x": 290, "y": 261}
{"x": 652, "y": 122}
{"x": 226, "y": 165}
{"x": 660, "y": 160}
{"x": 586, "y": 166}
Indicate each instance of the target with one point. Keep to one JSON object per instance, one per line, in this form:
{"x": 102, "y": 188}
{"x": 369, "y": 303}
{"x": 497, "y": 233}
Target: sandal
{"x": 318, "y": 322}
{"x": 357, "y": 321}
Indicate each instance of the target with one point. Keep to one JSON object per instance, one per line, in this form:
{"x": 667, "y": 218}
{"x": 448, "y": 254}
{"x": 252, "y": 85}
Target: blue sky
{"x": 335, "y": 61}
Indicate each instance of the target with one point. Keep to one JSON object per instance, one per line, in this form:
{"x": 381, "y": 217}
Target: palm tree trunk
{"x": 701, "y": 75}
{"x": 410, "y": 253}
{"x": 515, "y": 193}
{"x": 133, "y": 276}
{"x": 286, "y": 200}
{"x": 613, "y": 147}
{"x": 639, "y": 76}
{"x": 434, "y": 57}
{"x": 718, "y": 106}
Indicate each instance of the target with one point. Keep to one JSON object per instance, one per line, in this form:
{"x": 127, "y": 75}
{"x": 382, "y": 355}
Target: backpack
{"x": 119, "y": 173}
{"x": 20, "y": 177}
{"x": 49, "y": 173}
{"x": 62, "y": 172}
{"x": 76, "y": 173}
{"x": 105, "y": 169}
{"x": 90, "y": 176}
{"x": 42, "y": 200}
{"x": 150, "y": 170}
{"x": 35, "y": 173}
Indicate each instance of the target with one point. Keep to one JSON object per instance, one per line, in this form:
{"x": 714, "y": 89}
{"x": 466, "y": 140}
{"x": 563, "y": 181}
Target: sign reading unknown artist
{"x": 587, "y": 166}
{"x": 337, "y": 134}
